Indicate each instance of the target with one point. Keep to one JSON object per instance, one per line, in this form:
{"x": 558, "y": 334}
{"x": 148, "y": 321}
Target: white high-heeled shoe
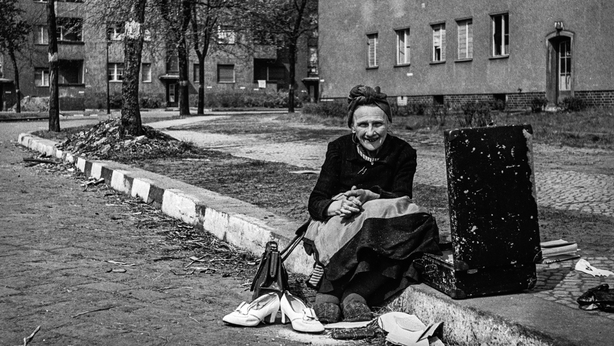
{"x": 250, "y": 315}
{"x": 303, "y": 319}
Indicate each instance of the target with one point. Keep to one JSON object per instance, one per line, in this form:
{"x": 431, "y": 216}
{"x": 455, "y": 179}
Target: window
{"x": 564, "y": 65}
{"x": 115, "y": 32}
{"x": 41, "y": 35}
{"x": 195, "y": 72}
{"x": 146, "y": 72}
{"x": 225, "y": 73}
{"x": 465, "y": 39}
{"x": 269, "y": 70}
{"x": 403, "y": 47}
{"x": 225, "y": 35}
{"x": 172, "y": 63}
{"x": 372, "y": 48}
{"x": 41, "y": 77}
{"x": 116, "y": 72}
{"x": 69, "y": 29}
{"x": 70, "y": 72}
{"x": 500, "y": 35}
{"x": 439, "y": 42}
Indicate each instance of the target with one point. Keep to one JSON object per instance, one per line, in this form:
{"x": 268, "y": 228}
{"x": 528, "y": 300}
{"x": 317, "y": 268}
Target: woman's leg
{"x": 354, "y": 298}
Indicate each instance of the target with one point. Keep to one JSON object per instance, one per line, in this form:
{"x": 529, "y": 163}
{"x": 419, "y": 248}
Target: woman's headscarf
{"x": 361, "y": 95}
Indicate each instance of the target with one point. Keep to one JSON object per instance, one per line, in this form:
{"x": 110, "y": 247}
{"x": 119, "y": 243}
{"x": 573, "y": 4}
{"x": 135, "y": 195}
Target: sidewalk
{"x": 548, "y": 315}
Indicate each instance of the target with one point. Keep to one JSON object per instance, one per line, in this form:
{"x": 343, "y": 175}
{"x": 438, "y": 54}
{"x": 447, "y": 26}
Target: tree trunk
{"x": 292, "y": 76}
{"x": 54, "y": 101}
{"x": 133, "y": 46}
{"x": 201, "y": 83}
{"x": 184, "y": 95}
{"x": 17, "y": 91}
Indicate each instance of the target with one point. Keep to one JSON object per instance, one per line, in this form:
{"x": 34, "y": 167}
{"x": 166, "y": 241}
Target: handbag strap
{"x": 300, "y": 234}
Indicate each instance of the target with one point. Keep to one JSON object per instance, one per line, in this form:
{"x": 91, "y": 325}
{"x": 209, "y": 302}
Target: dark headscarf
{"x": 361, "y": 95}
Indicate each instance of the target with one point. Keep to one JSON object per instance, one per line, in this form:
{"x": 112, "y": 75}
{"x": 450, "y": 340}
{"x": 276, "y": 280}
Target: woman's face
{"x": 370, "y": 126}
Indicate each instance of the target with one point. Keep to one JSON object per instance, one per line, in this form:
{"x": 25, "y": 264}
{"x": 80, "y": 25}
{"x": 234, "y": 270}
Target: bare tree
{"x": 54, "y": 101}
{"x": 133, "y": 48}
{"x": 290, "y": 20}
{"x": 13, "y": 32}
{"x": 177, "y": 15}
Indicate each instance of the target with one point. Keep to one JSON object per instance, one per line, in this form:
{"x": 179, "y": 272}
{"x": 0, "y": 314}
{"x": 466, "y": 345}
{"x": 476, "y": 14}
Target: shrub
{"x": 150, "y": 102}
{"x": 497, "y": 105}
{"x": 438, "y": 113}
{"x": 476, "y": 111}
{"x": 116, "y": 101}
{"x": 573, "y": 104}
{"x": 34, "y": 104}
{"x": 538, "y": 104}
{"x": 248, "y": 99}
{"x": 326, "y": 109}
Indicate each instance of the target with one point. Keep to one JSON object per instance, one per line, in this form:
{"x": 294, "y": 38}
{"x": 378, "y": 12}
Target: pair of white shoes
{"x": 303, "y": 319}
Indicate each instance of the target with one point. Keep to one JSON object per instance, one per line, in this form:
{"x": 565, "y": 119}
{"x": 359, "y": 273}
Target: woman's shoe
{"x": 303, "y": 319}
{"x": 250, "y": 315}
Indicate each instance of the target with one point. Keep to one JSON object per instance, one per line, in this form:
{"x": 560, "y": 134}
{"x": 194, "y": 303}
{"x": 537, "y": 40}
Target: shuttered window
{"x": 372, "y": 49}
{"x": 225, "y": 73}
{"x": 465, "y": 39}
{"x": 439, "y": 42}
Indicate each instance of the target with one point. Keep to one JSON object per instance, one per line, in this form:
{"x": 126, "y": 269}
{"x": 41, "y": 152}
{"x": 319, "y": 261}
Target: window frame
{"x": 43, "y": 72}
{"x": 442, "y": 43}
{"x": 405, "y": 50}
{"x": 195, "y": 72}
{"x": 234, "y": 74}
{"x": 504, "y": 45}
{"x": 146, "y": 77}
{"x": 41, "y": 34}
{"x": 113, "y": 77}
{"x": 64, "y": 27}
{"x": 372, "y": 63}
{"x": 468, "y": 29}
{"x": 226, "y": 35}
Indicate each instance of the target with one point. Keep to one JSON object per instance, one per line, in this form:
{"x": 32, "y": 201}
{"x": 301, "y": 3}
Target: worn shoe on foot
{"x": 354, "y": 311}
{"x": 327, "y": 312}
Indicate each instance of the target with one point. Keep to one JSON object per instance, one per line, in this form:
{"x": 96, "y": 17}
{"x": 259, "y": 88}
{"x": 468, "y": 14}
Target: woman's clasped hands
{"x": 350, "y": 202}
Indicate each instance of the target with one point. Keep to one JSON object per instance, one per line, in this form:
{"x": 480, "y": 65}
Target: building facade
{"x": 454, "y": 51}
{"x": 92, "y": 63}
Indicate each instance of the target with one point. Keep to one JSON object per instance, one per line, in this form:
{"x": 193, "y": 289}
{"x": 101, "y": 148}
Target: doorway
{"x": 171, "y": 94}
{"x": 560, "y": 69}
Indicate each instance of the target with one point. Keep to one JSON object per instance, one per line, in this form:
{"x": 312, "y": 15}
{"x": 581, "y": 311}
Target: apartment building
{"x": 92, "y": 63}
{"x": 453, "y": 51}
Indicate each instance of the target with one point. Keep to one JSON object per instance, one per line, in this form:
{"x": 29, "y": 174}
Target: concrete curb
{"x": 249, "y": 227}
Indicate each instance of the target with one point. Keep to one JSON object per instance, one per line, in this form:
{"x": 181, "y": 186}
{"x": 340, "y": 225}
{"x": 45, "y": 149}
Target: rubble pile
{"x": 104, "y": 141}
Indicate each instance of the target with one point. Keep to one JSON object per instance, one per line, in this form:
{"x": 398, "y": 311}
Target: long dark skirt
{"x": 384, "y": 238}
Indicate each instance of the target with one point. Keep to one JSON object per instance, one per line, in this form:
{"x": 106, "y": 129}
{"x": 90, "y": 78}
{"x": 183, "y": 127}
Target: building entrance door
{"x": 171, "y": 94}
{"x": 560, "y": 69}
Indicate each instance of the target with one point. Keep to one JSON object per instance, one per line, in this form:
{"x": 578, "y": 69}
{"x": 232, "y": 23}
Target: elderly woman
{"x": 365, "y": 231}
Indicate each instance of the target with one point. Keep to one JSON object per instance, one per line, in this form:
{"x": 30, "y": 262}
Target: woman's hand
{"x": 344, "y": 207}
{"x": 361, "y": 194}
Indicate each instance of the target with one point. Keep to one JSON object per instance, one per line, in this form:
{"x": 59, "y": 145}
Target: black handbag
{"x": 272, "y": 276}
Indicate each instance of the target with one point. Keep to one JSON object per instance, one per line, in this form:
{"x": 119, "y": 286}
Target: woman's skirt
{"x": 385, "y": 238}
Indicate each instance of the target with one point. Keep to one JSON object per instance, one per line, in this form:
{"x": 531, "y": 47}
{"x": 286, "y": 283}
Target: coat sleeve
{"x": 403, "y": 179}
{"x": 327, "y": 184}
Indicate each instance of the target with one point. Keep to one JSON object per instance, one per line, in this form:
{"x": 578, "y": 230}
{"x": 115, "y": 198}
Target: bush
{"x": 497, "y": 105}
{"x": 476, "y": 111}
{"x": 116, "y": 101}
{"x": 438, "y": 113}
{"x": 150, "y": 102}
{"x": 248, "y": 99}
{"x": 326, "y": 109}
{"x": 573, "y": 104}
{"x": 538, "y": 104}
{"x": 34, "y": 104}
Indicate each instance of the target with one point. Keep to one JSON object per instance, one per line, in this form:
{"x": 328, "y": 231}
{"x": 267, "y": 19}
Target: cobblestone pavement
{"x": 558, "y": 189}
